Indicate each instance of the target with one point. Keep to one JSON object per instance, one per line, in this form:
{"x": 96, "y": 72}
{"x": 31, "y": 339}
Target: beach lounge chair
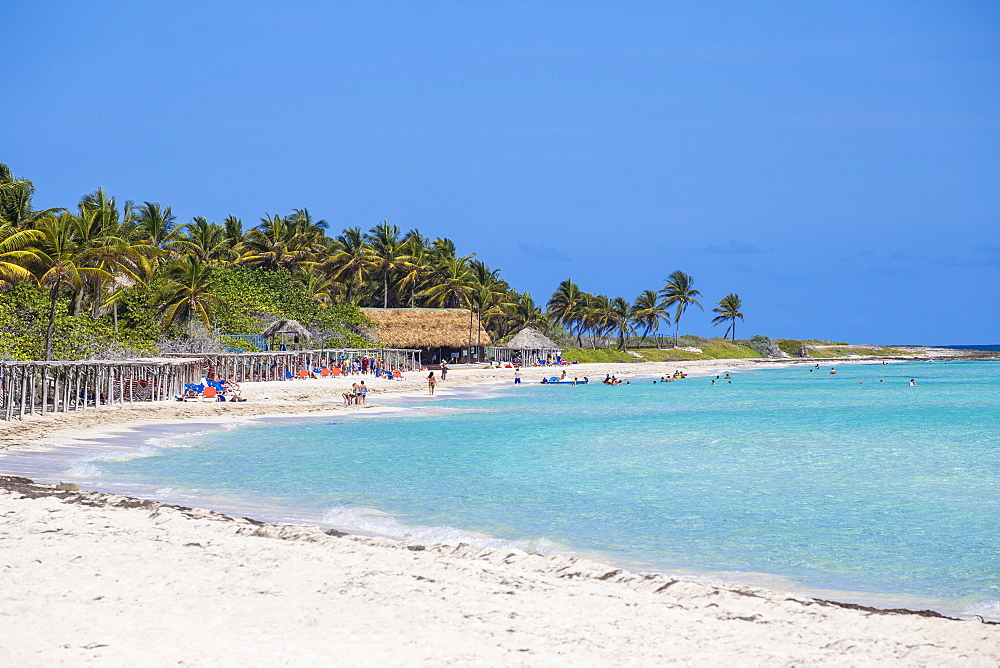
{"x": 192, "y": 391}
{"x": 324, "y": 372}
{"x": 210, "y": 393}
{"x": 288, "y": 375}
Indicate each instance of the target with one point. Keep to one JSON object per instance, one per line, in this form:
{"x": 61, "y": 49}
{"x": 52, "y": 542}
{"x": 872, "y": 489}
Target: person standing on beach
{"x": 444, "y": 370}
{"x": 362, "y": 393}
{"x": 431, "y": 382}
{"x": 517, "y": 375}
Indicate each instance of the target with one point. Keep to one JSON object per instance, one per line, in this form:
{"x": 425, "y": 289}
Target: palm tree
{"x": 525, "y": 313}
{"x": 278, "y": 241}
{"x": 308, "y": 226}
{"x": 453, "y": 284}
{"x": 648, "y": 311}
{"x": 10, "y": 183}
{"x": 729, "y": 311}
{"x": 349, "y": 258}
{"x": 388, "y": 254}
{"x": 61, "y": 261}
{"x": 489, "y": 296}
{"x": 207, "y": 240}
{"x": 420, "y": 267}
{"x": 110, "y": 240}
{"x": 233, "y": 231}
{"x": 15, "y": 201}
{"x": 679, "y": 292}
{"x": 620, "y": 320}
{"x": 595, "y": 315}
{"x": 319, "y": 287}
{"x": 565, "y": 304}
{"x": 188, "y": 293}
{"x": 17, "y": 252}
{"x": 159, "y": 225}
{"x": 443, "y": 248}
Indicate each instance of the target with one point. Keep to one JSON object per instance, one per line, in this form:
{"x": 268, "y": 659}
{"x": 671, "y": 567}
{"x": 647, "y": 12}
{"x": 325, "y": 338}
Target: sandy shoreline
{"x": 77, "y": 567}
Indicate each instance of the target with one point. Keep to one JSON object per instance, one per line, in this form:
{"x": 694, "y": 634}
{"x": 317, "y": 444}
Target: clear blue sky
{"x": 836, "y": 164}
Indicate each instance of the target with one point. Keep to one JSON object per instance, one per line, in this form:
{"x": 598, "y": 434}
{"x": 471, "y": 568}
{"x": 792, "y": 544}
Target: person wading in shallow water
{"x": 431, "y": 382}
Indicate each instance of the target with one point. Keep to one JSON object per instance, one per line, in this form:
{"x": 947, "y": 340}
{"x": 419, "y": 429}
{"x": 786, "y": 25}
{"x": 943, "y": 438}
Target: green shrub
{"x": 256, "y": 297}
{"x": 24, "y": 318}
{"x": 242, "y": 345}
{"x": 761, "y": 344}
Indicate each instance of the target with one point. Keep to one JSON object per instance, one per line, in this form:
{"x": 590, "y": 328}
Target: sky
{"x": 835, "y": 164}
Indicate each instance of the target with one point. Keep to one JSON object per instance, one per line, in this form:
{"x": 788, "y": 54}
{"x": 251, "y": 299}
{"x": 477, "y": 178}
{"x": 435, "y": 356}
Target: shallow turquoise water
{"x": 886, "y": 492}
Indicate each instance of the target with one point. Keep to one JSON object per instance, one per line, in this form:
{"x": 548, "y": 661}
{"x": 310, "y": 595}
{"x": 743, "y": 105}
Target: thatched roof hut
{"x": 530, "y": 338}
{"x": 529, "y": 346}
{"x": 426, "y": 327}
{"x": 290, "y": 327}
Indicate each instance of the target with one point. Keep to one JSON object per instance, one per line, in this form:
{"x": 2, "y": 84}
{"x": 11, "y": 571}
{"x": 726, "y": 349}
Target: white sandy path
{"x": 155, "y": 585}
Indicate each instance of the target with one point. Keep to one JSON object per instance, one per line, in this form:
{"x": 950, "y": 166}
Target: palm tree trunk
{"x": 385, "y": 294}
{"x": 97, "y": 299}
{"x": 50, "y": 330}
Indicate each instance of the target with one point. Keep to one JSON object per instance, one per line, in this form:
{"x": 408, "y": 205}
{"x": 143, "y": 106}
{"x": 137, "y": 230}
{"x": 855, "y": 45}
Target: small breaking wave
{"x": 374, "y": 522}
{"x": 989, "y": 610}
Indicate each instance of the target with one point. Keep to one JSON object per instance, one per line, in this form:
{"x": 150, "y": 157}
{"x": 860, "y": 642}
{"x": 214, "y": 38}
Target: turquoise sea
{"x": 873, "y": 491}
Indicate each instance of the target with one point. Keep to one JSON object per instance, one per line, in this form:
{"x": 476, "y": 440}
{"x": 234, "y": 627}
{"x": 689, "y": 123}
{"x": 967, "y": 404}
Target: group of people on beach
{"x": 357, "y": 395}
{"x": 227, "y": 390}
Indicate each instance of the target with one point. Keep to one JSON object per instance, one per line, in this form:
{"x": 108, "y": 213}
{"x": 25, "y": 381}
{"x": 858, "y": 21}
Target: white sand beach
{"x": 114, "y": 581}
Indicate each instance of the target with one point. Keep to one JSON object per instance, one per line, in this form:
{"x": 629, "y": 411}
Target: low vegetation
{"x": 851, "y": 351}
{"x": 715, "y": 348}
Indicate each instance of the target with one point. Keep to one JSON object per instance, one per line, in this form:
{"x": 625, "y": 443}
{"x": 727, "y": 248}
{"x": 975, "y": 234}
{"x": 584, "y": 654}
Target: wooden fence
{"x": 59, "y": 387}
{"x": 27, "y": 388}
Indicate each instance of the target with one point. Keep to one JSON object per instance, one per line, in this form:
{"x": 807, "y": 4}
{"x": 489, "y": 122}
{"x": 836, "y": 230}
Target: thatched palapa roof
{"x": 293, "y": 327}
{"x": 530, "y": 338}
{"x": 425, "y": 327}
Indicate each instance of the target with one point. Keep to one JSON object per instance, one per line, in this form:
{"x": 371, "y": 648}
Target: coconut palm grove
{"x": 105, "y": 278}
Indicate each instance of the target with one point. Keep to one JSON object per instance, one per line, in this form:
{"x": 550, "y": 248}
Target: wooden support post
{"x": 45, "y": 390}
